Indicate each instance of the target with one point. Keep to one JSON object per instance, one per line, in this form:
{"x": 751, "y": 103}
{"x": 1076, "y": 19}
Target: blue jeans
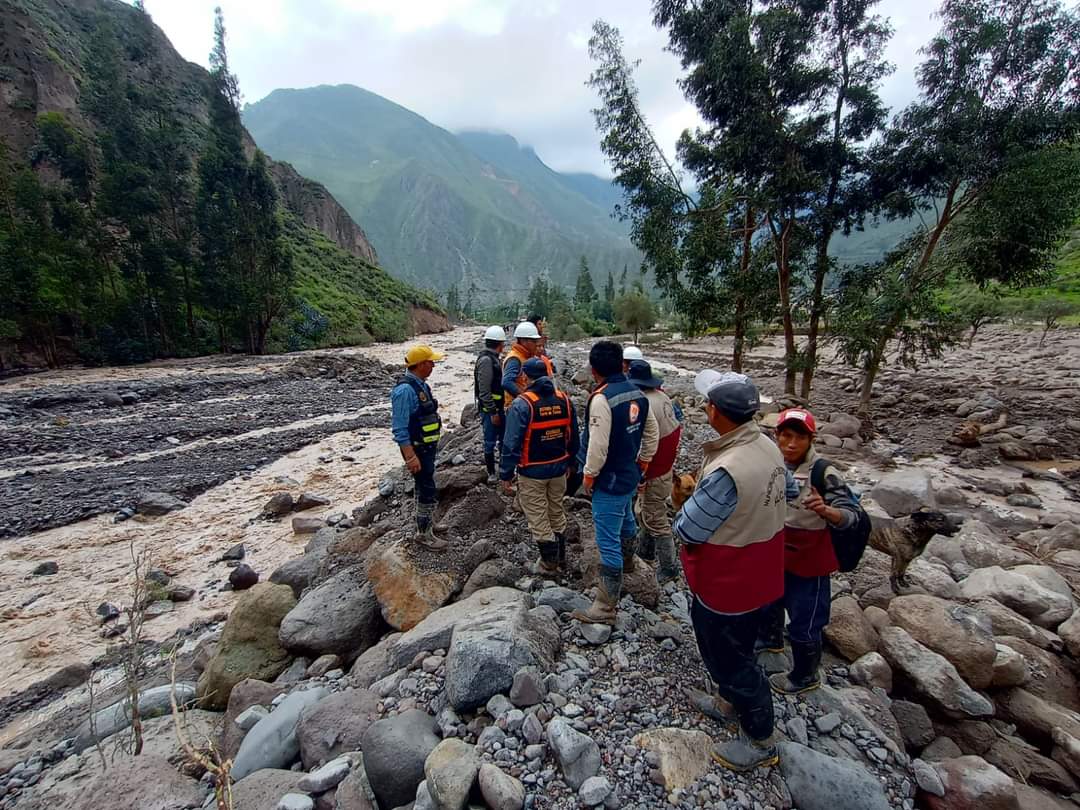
{"x": 807, "y": 600}
{"x": 613, "y": 517}
{"x": 493, "y": 434}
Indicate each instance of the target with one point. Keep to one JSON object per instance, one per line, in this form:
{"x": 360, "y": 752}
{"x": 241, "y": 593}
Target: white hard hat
{"x": 495, "y": 333}
{"x": 632, "y": 353}
{"x": 526, "y": 329}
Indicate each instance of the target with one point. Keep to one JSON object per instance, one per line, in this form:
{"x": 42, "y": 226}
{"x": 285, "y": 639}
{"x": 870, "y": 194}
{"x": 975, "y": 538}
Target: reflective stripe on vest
{"x": 425, "y": 424}
{"x": 547, "y": 438}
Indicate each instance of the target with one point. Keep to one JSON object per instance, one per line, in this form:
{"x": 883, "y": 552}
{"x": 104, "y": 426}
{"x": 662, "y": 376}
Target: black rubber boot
{"x": 771, "y": 634}
{"x": 629, "y": 550}
{"x": 647, "y": 546}
{"x": 804, "y": 676}
{"x": 560, "y": 538}
{"x": 668, "y": 570}
{"x": 744, "y": 753}
{"x": 548, "y": 564}
{"x": 489, "y": 462}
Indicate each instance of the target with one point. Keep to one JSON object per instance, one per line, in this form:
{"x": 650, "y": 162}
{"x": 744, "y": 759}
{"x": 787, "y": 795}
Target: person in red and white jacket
{"x": 655, "y": 538}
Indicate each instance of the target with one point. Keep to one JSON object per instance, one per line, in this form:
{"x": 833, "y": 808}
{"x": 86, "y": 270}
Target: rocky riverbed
{"x": 360, "y": 674}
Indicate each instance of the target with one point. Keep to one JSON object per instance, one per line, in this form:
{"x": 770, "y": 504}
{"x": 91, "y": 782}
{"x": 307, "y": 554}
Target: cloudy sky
{"x": 515, "y": 66}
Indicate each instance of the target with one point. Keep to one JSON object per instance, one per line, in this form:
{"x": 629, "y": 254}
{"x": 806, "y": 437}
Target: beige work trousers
{"x": 652, "y": 509}
{"x": 542, "y": 501}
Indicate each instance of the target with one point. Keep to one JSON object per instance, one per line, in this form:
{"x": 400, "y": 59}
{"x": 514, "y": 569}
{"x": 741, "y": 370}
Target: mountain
{"x": 51, "y": 49}
{"x": 443, "y": 208}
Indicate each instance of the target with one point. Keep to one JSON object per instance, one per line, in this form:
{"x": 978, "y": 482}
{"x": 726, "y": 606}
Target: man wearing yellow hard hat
{"x": 417, "y": 427}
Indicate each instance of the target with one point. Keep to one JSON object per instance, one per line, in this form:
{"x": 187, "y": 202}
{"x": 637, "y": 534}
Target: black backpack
{"x": 850, "y": 543}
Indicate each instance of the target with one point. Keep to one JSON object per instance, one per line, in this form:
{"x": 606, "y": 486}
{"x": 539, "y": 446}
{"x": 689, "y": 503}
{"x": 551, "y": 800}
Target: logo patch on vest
{"x": 635, "y": 412}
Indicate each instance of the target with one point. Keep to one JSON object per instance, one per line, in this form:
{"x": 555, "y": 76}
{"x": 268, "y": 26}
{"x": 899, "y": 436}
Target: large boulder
{"x": 931, "y": 675}
{"x": 407, "y": 594}
{"x": 153, "y": 702}
{"x": 487, "y": 649}
{"x": 1023, "y": 591}
{"x": 849, "y": 631}
{"x": 841, "y": 425}
{"x": 820, "y": 782}
{"x": 491, "y": 574}
{"x": 335, "y": 725}
{"x": 263, "y": 789}
{"x": 244, "y": 695}
{"x": 1050, "y": 678}
{"x": 249, "y": 646}
{"x": 433, "y": 633}
{"x": 1007, "y": 622}
{"x": 954, "y": 631}
{"x": 976, "y": 545}
{"x": 578, "y": 754}
{"x": 454, "y": 482}
{"x": 932, "y": 578}
{"x": 1010, "y": 668}
{"x": 1034, "y": 717}
{"x": 1066, "y": 751}
{"x": 500, "y": 790}
{"x": 146, "y": 782}
{"x": 450, "y": 771}
{"x": 339, "y": 616}
{"x": 1023, "y": 762}
{"x": 684, "y": 755}
{"x": 272, "y": 742}
{"x": 1070, "y": 634}
{"x": 640, "y": 584}
{"x": 972, "y": 783}
{"x": 395, "y": 750}
{"x": 904, "y": 491}
{"x": 914, "y": 723}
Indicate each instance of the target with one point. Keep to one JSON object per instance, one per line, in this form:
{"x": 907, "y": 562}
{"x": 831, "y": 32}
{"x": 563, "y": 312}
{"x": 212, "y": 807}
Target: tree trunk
{"x": 783, "y": 268}
{"x": 740, "y": 334}
{"x": 873, "y": 365}
{"x": 817, "y": 305}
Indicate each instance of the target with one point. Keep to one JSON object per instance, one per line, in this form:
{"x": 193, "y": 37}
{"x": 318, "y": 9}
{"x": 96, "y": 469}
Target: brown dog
{"x": 907, "y": 537}
{"x": 682, "y": 487}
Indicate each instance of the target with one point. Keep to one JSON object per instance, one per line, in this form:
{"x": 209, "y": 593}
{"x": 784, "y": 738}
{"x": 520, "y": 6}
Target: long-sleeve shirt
{"x": 712, "y": 503}
{"x": 403, "y": 402}
{"x": 511, "y": 372}
{"x": 517, "y": 422}
{"x": 600, "y": 435}
{"x": 486, "y": 369}
{"x": 837, "y": 495}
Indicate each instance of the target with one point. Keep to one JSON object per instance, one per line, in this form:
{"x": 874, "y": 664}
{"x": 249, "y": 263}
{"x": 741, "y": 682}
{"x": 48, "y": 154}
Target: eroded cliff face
{"x": 42, "y": 52}
{"x": 318, "y": 209}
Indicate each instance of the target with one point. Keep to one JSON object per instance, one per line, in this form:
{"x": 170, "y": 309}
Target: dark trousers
{"x": 807, "y": 601}
{"x": 727, "y": 648}
{"x": 493, "y": 434}
{"x": 425, "y": 479}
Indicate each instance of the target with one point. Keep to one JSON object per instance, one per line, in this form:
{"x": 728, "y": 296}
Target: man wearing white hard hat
{"x": 488, "y": 393}
{"x": 526, "y": 345}
{"x": 629, "y": 355}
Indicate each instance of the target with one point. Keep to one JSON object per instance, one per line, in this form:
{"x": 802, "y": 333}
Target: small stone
{"x": 595, "y": 633}
{"x": 797, "y": 730}
{"x": 280, "y": 503}
{"x": 500, "y": 790}
{"x": 532, "y": 729}
{"x": 458, "y": 460}
{"x": 235, "y": 553}
{"x": 46, "y": 569}
{"x": 498, "y": 705}
{"x": 594, "y": 790}
{"x": 156, "y": 609}
{"x": 247, "y": 719}
{"x": 295, "y": 801}
{"x": 180, "y": 593}
{"x": 927, "y": 778}
{"x": 108, "y": 611}
{"x": 828, "y": 723}
{"x": 572, "y": 710}
{"x": 528, "y": 688}
{"x": 306, "y": 525}
{"x": 323, "y": 779}
{"x": 243, "y": 577}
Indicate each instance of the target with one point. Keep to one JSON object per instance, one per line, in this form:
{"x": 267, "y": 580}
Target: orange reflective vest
{"x": 547, "y": 438}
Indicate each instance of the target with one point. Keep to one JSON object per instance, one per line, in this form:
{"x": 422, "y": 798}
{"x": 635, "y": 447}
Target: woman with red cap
{"x": 809, "y": 558}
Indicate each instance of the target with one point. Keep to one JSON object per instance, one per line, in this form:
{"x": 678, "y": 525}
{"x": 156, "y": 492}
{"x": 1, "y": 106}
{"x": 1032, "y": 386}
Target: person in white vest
{"x": 732, "y": 529}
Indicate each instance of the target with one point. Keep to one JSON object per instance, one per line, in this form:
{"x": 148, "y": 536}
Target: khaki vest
{"x": 660, "y": 405}
{"x": 797, "y": 517}
{"x": 755, "y": 464}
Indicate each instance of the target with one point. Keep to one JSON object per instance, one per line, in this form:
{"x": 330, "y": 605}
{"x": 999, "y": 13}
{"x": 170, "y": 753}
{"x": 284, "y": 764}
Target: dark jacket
{"x": 518, "y": 419}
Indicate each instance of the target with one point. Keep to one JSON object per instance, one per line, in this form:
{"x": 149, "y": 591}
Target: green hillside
{"x": 438, "y": 211}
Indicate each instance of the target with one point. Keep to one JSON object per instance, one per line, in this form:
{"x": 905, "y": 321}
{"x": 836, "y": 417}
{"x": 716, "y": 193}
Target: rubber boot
{"x": 745, "y": 754}
{"x": 629, "y": 551}
{"x": 647, "y": 547}
{"x": 806, "y": 660}
{"x": 489, "y": 462}
{"x": 668, "y": 570}
{"x": 425, "y": 535}
{"x": 771, "y": 633}
{"x": 560, "y": 539}
{"x": 548, "y": 564}
{"x": 715, "y": 707}
{"x": 602, "y": 610}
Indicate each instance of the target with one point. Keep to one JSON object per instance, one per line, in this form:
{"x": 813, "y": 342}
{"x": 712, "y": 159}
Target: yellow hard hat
{"x": 420, "y": 354}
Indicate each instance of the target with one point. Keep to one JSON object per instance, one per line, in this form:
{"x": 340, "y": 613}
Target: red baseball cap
{"x": 798, "y": 415}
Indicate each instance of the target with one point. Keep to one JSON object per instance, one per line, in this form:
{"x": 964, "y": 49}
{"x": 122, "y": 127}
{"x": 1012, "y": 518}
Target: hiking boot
{"x": 431, "y": 541}
{"x": 668, "y": 569}
{"x": 806, "y": 660}
{"x": 602, "y": 610}
{"x": 715, "y": 707}
{"x": 744, "y": 754}
{"x": 548, "y": 563}
{"x": 629, "y": 549}
{"x": 489, "y": 462}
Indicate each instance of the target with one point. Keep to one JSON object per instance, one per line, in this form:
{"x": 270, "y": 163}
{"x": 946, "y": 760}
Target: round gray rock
{"x": 395, "y": 750}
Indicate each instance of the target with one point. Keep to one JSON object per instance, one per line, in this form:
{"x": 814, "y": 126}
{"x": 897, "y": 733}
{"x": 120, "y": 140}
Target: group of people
{"x": 755, "y": 534}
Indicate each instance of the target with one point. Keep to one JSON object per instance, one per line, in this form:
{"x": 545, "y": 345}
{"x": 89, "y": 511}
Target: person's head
{"x": 528, "y": 337}
{"x": 495, "y": 339}
{"x": 605, "y": 359}
{"x": 795, "y": 433}
{"x": 731, "y": 399}
{"x": 539, "y": 321}
{"x": 421, "y": 360}
{"x": 534, "y": 369}
{"x": 640, "y": 374}
{"x": 629, "y": 354}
